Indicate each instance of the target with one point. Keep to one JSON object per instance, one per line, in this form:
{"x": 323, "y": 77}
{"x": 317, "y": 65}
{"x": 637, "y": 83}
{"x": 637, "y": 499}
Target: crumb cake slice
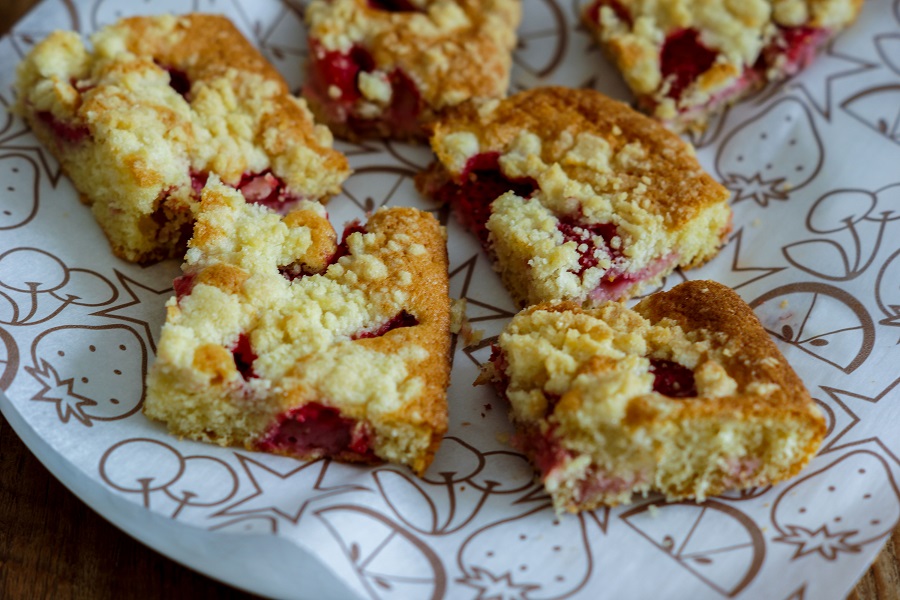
{"x": 687, "y": 58}
{"x": 282, "y": 340}
{"x": 685, "y": 395}
{"x": 158, "y": 104}
{"x": 574, "y": 195}
{"x": 382, "y": 68}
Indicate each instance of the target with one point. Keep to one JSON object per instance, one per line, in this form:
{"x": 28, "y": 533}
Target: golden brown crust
{"x": 680, "y": 187}
{"x": 248, "y": 325}
{"x": 744, "y": 39}
{"x": 584, "y": 382}
{"x": 452, "y": 50}
{"x": 155, "y": 106}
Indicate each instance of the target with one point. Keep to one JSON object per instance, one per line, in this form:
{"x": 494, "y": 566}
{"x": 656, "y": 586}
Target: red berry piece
{"x": 593, "y": 13}
{"x": 672, "y": 379}
{"x": 183, "y": 286}
{"x": 402, "y": 319}
{"x": 244, "y": 356}
{"x": 481, "y": 182}
{"x": 684, "y": 59}
{"x": 315, "y": 428}
{"x": 66, "y": 132}
{"x": 579, "y": 233}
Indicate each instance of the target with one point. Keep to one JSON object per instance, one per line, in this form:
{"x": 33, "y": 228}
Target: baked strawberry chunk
{"x": 244, "y": 356}
{"x": 684, "y": 395}
{"x": 63, "y": 131}
{"x": 402, "y": 319}
{"x": 672, "y": 379}
{"x": 472, "y": 192}
{"x": 683, "y": 59}
{"x": 318, "y": 430}
{"x": 394, "y": 5}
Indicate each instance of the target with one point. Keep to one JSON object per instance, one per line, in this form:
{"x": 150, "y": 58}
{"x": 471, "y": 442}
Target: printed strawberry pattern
{"x": 814, "y": 249}
{"x": 772, "y": 155}
{"x": 89, "y": 373}
{"x": 855, "y": 480}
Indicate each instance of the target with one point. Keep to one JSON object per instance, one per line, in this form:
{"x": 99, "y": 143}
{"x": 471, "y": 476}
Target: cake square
{"x": 383, "y": 68}
{"x": 686, "y": 59}
{"x": 159, "y": 103}
{"x": 685, "y": 395}
{"x": 282, "y": 340}
{"x": 574, "y": 195}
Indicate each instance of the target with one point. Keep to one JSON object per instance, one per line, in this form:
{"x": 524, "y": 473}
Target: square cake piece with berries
{"x": 686, "y": 59}
{"x": 282, "y": 340}
{"x": 686, "y": 395}
{"x": 575, "y": 195}
{"x": 160, "y": 103}
{"x": 382, "y": 68}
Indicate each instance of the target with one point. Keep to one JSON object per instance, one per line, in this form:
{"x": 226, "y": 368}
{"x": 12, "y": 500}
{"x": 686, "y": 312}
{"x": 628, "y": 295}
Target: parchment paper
{"x": 814, "y": 165}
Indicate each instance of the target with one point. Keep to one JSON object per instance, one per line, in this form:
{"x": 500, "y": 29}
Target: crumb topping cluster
{"x": 141, "y": 120}
{"x": 687, "y": 55}
{"x": 274, "y": 313}
{"x": 453, "y": 50}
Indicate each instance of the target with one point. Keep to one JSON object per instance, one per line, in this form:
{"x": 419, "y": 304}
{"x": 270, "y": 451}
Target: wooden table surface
{"x": 53, "y": 546}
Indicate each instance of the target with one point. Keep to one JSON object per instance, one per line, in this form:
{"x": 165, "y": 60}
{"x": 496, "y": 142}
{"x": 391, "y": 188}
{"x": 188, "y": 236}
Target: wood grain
{"x": 53, "y": 546}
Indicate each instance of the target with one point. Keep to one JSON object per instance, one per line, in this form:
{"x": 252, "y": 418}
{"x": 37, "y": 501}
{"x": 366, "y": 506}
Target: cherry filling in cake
{"x": 593, "y": 242}
{"x": 394, "y": 5}
{"x": 244, "y": 356}
{"x": 319, "y": 430}
{"x": 334, "y": 82}
{"x": 263, "y": 188}
{"x": 797, "y": 46}
{"x": 62, "y": 130}
{"x": 593, "y": 12}
{"x": 480, "y": 183}
{"x": 683, "y": 59}
{"x": 183, "y": 286}
{"x": 401, "y": 319}
{"x": 672, "y": 379}
{"x": 178, "y": 80}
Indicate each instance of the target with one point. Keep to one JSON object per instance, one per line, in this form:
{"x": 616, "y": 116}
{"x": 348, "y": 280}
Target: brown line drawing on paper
{"x": 395, "y": 562}
{"x": 750, "y": 493}
{"x": 98, "y": 377}
{"x": 804, "y": 317}
{"x": 141, "y": 296}
{"x": 735, "y": 242}
{"x": 788, "y": 165}
{"x": 863, "y": 409}
{"x": 713, "y": 529}
{"x": 22, "y": 141}
{"x": 553, "y": 30}
{"x": 197, "y": 481}
{"x": 28, "y": 293}
{"x": 18, "y": 200}
{"x": 508, "y": 559}
{"x": 421, "y": 155}
{"x": 850, "y": 214}
{"x": 452, "y": 499}
{"x": 394, "y": 181}
{"x": 277, "y": 493}
{"x": 888, "y": 47}
{"x": 798, "y": 594}
{"x": 878, "y": 109}
{"x": 831, "y": 526}
{"x": 163, "y": 464}
{"x": 838, "y": 66}
{"x": 9, "y": 359}
{"x": 887, "y": 291}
